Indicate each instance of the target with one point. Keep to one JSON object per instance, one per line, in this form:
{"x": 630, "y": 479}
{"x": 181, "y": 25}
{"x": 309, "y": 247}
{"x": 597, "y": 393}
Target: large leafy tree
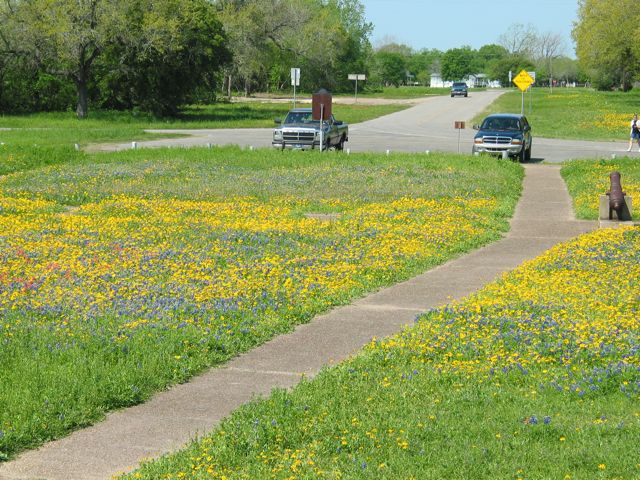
{"x": 606, "y": 41}
{"x": 457, "y": 63}
{"x": 390, "y": 68}
{"x": 327, "y": 39}
{"x": 164, "y": 51}
{"x": 65, "y": 37}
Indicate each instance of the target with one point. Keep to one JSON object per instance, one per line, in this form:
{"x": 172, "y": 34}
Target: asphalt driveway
{"x": 428, "y": 125}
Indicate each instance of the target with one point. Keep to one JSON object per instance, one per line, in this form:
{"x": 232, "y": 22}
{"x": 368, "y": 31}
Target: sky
{"x": 445, "y": 24}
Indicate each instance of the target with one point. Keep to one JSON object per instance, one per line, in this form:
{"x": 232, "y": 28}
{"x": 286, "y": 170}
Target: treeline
{"x": 158, "y": 55}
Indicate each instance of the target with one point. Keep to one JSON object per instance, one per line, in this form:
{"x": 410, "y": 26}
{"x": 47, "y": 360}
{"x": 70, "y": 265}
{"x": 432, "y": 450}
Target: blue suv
{"x": 459, "y": 88}
{"x": 504, "y": 132}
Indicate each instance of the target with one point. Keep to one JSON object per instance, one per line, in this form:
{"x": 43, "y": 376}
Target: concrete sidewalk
{"x": 543, "y": 218}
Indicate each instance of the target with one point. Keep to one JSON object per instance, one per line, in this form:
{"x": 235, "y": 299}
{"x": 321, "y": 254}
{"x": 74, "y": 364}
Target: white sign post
{"x": 523, "y": 81}
{"x": 532, "y": 75}
{"x": 295, "y": 81}
{"x": 356, "y": 77}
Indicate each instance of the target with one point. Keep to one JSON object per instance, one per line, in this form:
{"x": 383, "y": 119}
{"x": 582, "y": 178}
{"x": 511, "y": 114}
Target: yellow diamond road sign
{"x": 523, "y": 80}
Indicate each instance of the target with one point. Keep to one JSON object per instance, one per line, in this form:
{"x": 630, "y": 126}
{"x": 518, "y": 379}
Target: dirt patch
{"x": 324, "y": 217}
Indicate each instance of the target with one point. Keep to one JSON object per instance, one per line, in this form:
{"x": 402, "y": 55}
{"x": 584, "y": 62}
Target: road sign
{"x": 295, "y": 77}
{"x": 356, "y": 77}
{"x": 458, "y": 125}
{"x": 523, "y": 80}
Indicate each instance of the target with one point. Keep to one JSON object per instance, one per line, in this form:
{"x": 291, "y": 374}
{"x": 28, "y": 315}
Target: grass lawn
{"x": 537, "y": 376}
{"x": 63, "y": 129}
{"x": 393, "y": 93}
{"x": 404, "y": 92}
{"x": 573, "y": 113}
{"x": 123, "y": 273}
{"x": 588, "y": 179}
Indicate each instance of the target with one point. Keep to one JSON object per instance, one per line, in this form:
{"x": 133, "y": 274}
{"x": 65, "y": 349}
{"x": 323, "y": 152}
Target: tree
{"x": 457, "y": 63}
{"x": 519, "y": 39}
{"x": 390, "y": 68}
{"x": 355, "y": 47}
{"x": 549, "y": 46}
{"x": 166, "y": 50}
{"x": 65, "y": 37}
{"x": 499, "y": 69}
{"x": 605, "y": 35}
{"x": 327, "y": 39}
{"x": 486, "y": 55}
{"x": 423, "y": 63}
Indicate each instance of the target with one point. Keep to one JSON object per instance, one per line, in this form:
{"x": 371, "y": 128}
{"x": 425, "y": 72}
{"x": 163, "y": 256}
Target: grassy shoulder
{"x": 535, "y": 376}
{"x": 588, "y": 179}
{"x": 64, "y": 129}
{"x": 124, "y": 273}
{"x": 572, "y": 113}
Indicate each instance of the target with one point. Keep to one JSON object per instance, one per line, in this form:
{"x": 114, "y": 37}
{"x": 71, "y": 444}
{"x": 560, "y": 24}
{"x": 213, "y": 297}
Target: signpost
{"x": 523, "y": 81}
{"x": 356, "y": 77}
{"x": 459, "y": 126}
{"x": 295, "y": 81}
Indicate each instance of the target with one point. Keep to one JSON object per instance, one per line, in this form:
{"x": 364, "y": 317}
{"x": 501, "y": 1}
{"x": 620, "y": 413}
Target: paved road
{"x": 429, "y": 125}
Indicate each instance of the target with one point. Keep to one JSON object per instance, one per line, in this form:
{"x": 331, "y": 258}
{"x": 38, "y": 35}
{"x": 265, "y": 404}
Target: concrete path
{"x": 543, "y": 217}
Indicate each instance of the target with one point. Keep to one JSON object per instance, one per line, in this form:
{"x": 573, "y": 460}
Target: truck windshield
{"x": 299, "y": 117}
{"x": 501, "y": 124}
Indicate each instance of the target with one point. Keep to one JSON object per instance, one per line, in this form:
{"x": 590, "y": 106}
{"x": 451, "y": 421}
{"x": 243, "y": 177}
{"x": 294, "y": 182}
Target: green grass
{"x": 391, "y": 93}
{"x": 124, "y": 273}
{"x": 535, "y": 377}
{"x": 573, "y": 113}
{"x": 410, "y": 92}
{"x": 64, "y": 129}
{"x": 588, "y": 179}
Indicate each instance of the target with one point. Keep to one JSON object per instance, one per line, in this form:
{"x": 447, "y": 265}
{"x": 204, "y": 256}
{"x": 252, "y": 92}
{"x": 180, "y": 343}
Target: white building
{"x": 472, "y": 81}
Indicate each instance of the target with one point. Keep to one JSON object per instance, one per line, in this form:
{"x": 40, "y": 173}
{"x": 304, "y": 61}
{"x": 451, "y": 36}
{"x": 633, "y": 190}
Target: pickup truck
{"x": 300, "y": 131}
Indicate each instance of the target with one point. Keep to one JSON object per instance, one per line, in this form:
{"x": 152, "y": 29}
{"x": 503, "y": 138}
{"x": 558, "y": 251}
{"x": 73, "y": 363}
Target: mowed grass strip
{"x": 64, "y": 129}
{"x": 572, "y": 113}
{"x": 535, "y": 376}
{"x": 124, "y": 273}
{"x": 588, "y": 179}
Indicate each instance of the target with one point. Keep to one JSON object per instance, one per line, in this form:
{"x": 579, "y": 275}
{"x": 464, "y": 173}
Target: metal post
{"x": 522, "y": 108}
{"x": 294, "y": 94}
{"x": 321, "y": 125}
{"x": 356, "y": 90}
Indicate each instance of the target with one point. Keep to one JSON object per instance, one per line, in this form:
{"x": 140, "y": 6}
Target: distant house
{"x": 478, "y": 80}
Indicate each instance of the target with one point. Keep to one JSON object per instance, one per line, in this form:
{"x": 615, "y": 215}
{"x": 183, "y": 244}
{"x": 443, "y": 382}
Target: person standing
{"x": 635, "y": 132}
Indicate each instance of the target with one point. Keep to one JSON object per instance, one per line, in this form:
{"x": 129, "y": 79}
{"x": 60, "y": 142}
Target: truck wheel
{"x": 340, "y": 145}
{"x": 522, "y": 156}
{"x": 527, "y": 156}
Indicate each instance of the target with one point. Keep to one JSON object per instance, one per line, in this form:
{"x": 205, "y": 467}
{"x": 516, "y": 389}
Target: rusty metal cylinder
{"x": 616, "y": 195}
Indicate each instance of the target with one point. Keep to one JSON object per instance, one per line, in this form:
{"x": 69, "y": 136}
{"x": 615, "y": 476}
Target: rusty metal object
{"x": 616, "y": 196}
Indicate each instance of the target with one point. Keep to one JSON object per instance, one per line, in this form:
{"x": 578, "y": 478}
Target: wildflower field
{"x": 123, "y": 273}
{"x": 537, "y": 376}
{"x": 588, "y": 179}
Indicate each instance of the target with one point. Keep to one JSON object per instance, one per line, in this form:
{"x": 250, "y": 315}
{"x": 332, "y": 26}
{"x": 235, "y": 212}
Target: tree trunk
{"x": 82, "y": 108}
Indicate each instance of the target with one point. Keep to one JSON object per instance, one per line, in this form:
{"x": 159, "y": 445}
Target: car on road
{"x": 504, "y": 132}
{"x": 300, "y": 131}
{"x": 459, "y": 89}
